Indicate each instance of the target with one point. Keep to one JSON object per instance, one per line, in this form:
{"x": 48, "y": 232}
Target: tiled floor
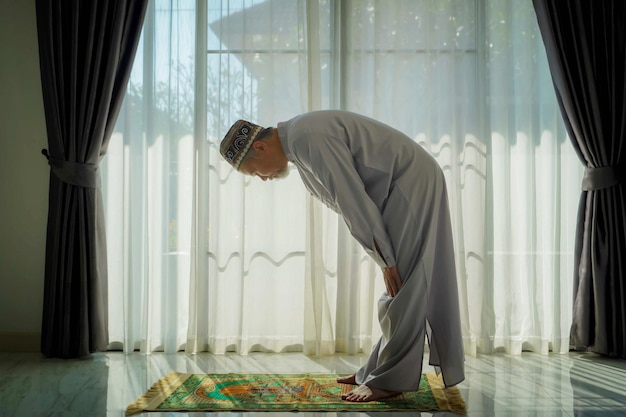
{"x": 574, "y": 384}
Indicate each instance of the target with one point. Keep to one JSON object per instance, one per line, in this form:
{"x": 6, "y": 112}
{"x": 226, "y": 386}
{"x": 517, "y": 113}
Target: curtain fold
{"x": 86, "y": 52}
{"x": 586, "y": 47}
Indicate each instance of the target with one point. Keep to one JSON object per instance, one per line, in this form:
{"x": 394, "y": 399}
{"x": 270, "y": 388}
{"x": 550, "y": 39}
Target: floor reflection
{"x": 530, "y": 384}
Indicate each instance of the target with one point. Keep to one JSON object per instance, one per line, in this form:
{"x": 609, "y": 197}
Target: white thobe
{"x": 389, "y": 190}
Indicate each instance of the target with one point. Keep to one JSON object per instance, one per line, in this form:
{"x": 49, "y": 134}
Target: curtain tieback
{"x": 597, "y": 178}
{"x": 75, "y": 173}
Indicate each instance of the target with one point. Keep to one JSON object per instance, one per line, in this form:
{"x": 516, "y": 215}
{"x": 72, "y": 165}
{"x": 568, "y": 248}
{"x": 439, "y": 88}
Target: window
{"x": 201, "y": 258}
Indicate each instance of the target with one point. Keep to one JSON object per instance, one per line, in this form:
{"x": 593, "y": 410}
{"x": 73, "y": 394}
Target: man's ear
{"x": 259, "y": 145}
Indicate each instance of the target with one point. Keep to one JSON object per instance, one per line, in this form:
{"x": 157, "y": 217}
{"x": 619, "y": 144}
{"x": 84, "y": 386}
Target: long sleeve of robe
{"x": 392, "y": 195}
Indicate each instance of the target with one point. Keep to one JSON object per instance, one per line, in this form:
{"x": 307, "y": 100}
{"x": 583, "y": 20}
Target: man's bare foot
{"x": 347, "y": 380}
{"x": 364, "y": 393}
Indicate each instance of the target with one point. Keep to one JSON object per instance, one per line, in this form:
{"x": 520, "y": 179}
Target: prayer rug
{"x": 284, "y": 392}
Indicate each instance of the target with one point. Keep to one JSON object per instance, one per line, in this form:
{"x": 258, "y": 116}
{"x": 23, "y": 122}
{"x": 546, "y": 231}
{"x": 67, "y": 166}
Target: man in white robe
{"x": 392, "y": 195}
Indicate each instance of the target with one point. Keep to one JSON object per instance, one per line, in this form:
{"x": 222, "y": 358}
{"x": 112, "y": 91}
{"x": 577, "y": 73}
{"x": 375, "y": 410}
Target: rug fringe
{"x": 447, "y": 398}
{"x": 161, "y": 389}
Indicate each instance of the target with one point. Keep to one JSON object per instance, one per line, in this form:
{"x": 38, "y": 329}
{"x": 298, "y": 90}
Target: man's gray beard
{"x": 282, "y": 174}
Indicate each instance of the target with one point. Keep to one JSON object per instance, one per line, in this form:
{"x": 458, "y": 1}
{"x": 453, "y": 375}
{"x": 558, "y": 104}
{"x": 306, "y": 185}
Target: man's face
{"x": 265, "y": 165}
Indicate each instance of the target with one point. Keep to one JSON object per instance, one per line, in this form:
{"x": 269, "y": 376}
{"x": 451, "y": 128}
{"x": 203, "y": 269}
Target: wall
{"x": 24, "y": 178}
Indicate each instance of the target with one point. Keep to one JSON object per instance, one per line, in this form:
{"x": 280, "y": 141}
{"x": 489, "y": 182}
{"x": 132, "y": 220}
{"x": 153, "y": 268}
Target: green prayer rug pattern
{"x": 283, "y": 392}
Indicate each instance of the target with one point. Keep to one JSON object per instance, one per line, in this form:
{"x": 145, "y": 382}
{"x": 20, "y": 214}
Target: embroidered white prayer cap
{"x": 238, "y": 141}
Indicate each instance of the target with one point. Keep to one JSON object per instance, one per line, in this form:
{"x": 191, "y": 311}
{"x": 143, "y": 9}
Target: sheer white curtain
{"x": 203, "y": 259}
{"x": 147, "y": 187}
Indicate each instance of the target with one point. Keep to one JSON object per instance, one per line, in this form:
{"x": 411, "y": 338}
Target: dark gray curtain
{"x": 86, "y": 49}
{"x": 586, "y": 46}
